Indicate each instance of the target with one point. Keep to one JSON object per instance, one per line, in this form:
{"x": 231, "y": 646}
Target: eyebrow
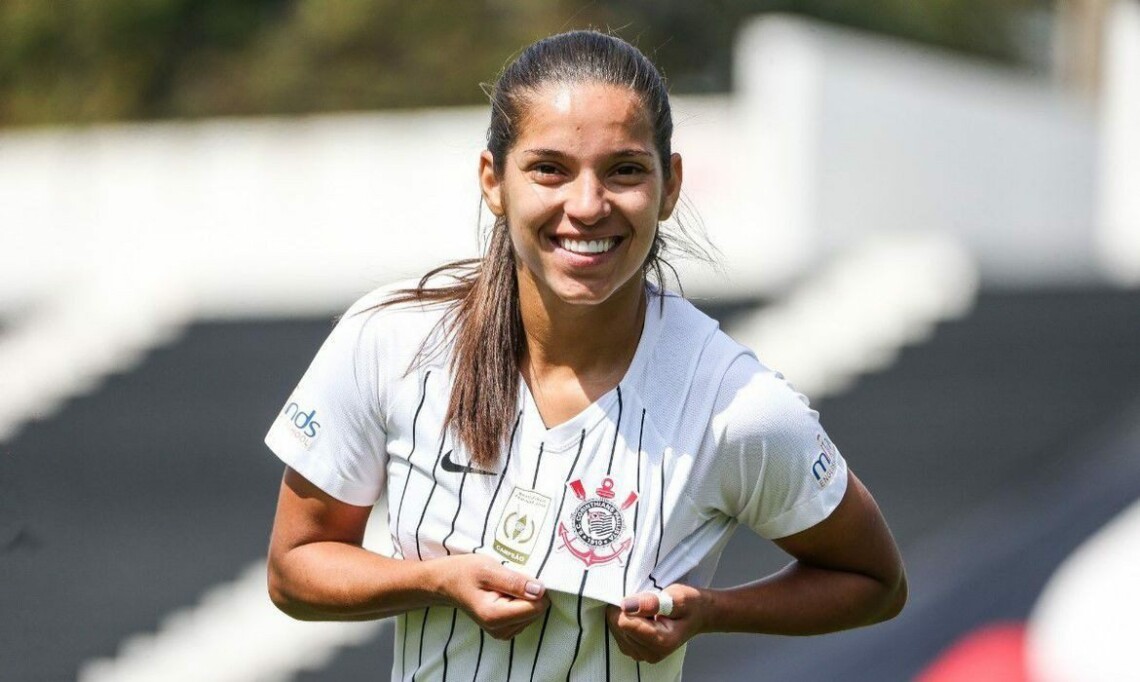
{"x": 622, "y": 153}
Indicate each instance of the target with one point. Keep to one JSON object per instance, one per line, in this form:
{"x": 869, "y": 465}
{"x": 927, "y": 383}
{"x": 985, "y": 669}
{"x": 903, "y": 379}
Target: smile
{"x": 592, "y": 246}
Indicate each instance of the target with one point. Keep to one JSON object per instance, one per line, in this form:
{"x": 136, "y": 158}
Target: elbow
{"x": 895, "y": 599}
{"x": 281, "y": 596}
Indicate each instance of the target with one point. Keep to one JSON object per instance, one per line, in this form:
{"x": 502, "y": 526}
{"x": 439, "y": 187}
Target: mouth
{"x": 588, "y": 247}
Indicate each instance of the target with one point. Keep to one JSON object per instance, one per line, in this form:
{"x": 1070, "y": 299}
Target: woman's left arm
{"x": 847, "y": 573}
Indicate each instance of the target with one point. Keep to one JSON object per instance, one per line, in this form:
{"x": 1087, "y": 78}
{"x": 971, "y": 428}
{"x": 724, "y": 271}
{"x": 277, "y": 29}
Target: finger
{"x": 510, "y": 631}
{"x": 639, "y": 629}
{"x": 644, "y": 604}
{"x": 638, "y": 650}
{"x": 632, "y": 649}
{"x": 509, "y": 611}
{"x": 506, "y": 581}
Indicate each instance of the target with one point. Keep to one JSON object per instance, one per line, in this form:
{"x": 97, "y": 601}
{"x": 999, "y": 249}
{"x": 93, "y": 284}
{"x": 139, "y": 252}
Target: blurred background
{"x": 927, "y": 215}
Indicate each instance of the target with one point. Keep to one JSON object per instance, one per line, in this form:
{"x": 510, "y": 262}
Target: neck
{"x": 593, "y": 342}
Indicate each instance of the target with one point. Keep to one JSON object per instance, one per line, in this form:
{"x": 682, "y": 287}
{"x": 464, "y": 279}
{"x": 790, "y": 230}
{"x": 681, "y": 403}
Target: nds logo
{"x": 306, "y": 428}
{"x": 823, "y": 468}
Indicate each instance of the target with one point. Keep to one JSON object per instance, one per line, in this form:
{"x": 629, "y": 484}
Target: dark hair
{"x": 484, "y": 320}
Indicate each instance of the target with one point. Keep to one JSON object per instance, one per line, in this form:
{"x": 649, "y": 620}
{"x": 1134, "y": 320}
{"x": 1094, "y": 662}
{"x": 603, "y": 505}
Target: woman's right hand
{"x": 501, "y": 601}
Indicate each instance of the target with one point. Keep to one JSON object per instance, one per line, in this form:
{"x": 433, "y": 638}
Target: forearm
{"x": 803, "y": 600}
{"x": 340, "y": 581}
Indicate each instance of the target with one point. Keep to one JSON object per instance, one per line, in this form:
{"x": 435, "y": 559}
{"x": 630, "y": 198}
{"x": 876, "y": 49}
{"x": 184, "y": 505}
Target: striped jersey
{"x": 640, "y": 490}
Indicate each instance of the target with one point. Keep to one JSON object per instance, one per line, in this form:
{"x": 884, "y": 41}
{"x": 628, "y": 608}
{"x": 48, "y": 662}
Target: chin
{"x": 584, "y": 298}
{"x": 577, "y": 292}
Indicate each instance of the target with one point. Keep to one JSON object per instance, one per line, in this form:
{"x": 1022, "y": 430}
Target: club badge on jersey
{"x": 596, "y": 531}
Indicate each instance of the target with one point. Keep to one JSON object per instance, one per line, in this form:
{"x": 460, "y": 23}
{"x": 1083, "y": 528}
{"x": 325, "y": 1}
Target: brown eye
{"x": 629, "y": 172}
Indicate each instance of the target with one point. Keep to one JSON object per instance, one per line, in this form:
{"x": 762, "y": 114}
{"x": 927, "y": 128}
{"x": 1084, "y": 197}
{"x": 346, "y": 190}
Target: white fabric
{"x": 640, "y": 490}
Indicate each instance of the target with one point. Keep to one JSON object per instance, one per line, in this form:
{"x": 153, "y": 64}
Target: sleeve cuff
{"x": 317, "y": 471}
{"x": 809, "y": 512}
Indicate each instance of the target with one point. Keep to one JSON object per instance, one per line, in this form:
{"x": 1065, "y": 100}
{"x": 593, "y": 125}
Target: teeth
{"x": 592, "y": 246}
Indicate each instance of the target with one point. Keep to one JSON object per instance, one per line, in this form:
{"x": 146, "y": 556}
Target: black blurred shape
{"x": 994, "y": 449}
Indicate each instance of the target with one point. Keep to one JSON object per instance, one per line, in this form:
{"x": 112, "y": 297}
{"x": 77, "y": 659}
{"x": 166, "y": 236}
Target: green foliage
{"x": 98, "y": 60}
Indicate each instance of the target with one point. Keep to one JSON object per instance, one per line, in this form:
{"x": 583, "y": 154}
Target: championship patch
{"x": 596, "y": 530}
{"x": 516, "y": 533}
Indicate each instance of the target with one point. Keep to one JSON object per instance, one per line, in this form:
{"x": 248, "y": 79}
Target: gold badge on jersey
{"x": 517, "y": 531}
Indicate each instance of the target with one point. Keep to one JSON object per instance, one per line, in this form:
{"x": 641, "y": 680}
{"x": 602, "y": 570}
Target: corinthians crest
{"x": 597, "y": 525}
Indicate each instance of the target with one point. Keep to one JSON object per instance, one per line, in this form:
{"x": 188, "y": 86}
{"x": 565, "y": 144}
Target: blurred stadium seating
{"x": 993, "y": 450}
{"x": 997, "y": 426}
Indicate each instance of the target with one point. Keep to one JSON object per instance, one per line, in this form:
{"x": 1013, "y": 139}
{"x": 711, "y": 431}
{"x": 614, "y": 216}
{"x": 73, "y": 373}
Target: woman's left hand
{"x": 644, "y": 635}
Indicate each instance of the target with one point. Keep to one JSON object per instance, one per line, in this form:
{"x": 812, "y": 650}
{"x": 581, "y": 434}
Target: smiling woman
{"x": 582, "y": 192}
{"x": 564, "y": 446}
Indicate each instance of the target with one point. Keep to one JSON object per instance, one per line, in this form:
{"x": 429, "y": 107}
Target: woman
{"x": 564, "y": 447}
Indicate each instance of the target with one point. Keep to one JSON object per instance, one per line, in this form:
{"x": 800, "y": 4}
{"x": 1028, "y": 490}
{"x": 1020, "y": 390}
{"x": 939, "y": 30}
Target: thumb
{"x": 508, "y": 582}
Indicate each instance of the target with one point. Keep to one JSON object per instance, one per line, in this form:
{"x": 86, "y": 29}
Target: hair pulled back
{"x": 485, "y": 322}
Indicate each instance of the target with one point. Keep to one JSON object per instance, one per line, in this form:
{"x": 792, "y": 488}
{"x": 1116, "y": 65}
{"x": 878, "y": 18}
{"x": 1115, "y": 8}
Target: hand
{"x": 501, "y": 601}
{"x": 643, "y": 635}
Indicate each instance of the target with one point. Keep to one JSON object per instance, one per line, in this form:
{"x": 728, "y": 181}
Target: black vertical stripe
{"x": 479, "y": 656}
{"x": 578, "y": 643}
{"x": 561, "y": 503}
{"x": 427, "y": 502}
{"x": 538, "y": 647}
{"x": 423, "y": 631}
{"x": 404, "y": 651}
{"x": 661, "y": 526}
{"x": 636, "y": 505}
{"x": 511, "y": 660}
{"x": 486, "y": 522}
{"x": 617, "y": 430}
{"x": 498, "y": 487}
{"x": 454, "y": 613}
{"x": 537, "y": 465}
{"x": 606, "y": 632}
{"x": 458, "y": 506}
{"x": 404, "y": 493}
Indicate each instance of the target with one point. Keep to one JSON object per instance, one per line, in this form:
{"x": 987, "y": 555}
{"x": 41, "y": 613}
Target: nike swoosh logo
{"x": 450, "y": 465}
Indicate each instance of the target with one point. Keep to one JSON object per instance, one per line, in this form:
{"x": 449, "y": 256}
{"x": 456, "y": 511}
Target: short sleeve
{"x": 779, "y": 472}
{"x": 331, "y": 429}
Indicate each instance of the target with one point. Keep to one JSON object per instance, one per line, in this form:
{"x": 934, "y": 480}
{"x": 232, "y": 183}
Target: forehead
{"x": 559, "y": 115}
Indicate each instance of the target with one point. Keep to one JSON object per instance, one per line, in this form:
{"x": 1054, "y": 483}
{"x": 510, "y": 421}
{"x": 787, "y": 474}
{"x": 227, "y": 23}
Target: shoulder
{"x": 387, "y": 316}
{"x": 684, "y": 331}
{"x": 753, "y": 399}
{"x": 683, "y": 370}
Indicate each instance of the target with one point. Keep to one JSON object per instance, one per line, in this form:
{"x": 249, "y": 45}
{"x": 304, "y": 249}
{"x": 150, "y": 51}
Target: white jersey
{"x": 640, "y": 490}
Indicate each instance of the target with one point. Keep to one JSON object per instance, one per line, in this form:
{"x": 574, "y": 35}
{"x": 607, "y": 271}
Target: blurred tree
{"x": 96, "y": 60}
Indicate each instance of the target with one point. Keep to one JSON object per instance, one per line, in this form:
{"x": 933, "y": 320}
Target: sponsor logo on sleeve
{"x": 823, "y": 468}
{"x": 302, "y": 424}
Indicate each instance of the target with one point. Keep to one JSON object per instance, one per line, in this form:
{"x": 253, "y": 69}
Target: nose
{"x": 586, "y": 200}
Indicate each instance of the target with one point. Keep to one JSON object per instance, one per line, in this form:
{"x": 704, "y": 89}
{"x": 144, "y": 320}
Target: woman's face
{"x": 582, "y": 190}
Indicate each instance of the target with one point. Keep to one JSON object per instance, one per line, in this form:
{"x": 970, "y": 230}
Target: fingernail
{"x": 533, "y": 588}
{"x": 630, "y": 604}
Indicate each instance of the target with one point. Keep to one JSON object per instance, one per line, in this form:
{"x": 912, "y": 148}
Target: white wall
{"x": 890, "y": 137}
{"x": 829, "y": 137}
{"x": 1119, "y": 218}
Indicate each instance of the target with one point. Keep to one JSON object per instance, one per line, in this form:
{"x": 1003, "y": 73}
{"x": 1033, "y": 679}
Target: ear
{"x": 672, "y": 188}
{"x": 490, "y": 183}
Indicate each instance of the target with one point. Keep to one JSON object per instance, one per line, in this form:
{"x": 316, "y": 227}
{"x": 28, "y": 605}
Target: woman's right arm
{"x": 318, "y": 570}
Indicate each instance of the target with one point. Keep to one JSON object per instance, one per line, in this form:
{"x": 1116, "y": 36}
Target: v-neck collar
{"x": 567, "y": 434}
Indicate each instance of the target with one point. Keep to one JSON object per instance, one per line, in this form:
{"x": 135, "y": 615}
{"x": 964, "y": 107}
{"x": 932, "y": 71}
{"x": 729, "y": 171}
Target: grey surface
{"x": 993, "y": 450}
